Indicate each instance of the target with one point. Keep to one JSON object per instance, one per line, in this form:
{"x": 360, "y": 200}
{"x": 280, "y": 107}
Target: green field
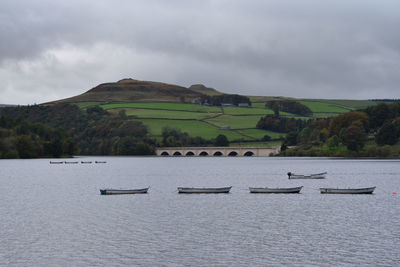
{"x": 192, "y": 127}
{"x": 165, "y": 114}
{"x": 165, "y": 106}
{"x": 259, "y": 134}
{"x": 349, "y": 104}
{"x": 206, "y": 121}
{"x": 246, "y": 111}
{"x": 324, "y": 107}
{"x": 235, "y": 122}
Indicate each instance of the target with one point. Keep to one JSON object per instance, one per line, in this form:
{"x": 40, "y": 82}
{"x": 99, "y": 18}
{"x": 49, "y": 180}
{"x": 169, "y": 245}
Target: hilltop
{"x": 127, "y": 90}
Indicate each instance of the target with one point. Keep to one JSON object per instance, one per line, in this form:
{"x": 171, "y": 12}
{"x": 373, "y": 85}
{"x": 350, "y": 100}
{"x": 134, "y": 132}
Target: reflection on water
{"x": 54, "y": 215}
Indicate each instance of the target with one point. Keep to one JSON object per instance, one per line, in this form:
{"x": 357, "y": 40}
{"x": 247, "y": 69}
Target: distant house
{"x": 226, "y": 104}
{"x": 244, "y": 105}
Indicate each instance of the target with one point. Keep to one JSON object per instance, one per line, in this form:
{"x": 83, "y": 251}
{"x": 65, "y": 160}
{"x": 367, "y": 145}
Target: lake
{"x": 54, "y": 215}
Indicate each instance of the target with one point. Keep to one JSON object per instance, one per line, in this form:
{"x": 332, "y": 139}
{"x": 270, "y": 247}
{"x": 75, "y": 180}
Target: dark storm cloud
{"x": 308, "y": 48}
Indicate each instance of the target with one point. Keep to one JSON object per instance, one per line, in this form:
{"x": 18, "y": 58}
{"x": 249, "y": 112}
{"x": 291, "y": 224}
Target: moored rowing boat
{"x": 123, "y": 191}
{"x": 309, "y": 176}
{"x": 204, "y": 190}
{"x": 366, "y": 190}
{"x": 275, "y": 190}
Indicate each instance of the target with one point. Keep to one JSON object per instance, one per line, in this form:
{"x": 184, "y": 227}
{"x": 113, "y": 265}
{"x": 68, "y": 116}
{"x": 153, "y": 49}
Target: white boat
{"x": 100, "y": 161}
{"x": 309, "y": 176}
{"x": 86, "y": 162}
{"x": 203, "y": 190}
{"x": 123, "y": 191}
{"x": 275, "y": 190}
{"x": 71, "y": 162}
{"x": 366, "y": 190}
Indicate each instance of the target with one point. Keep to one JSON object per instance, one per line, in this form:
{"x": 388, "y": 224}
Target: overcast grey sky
{"x": 52, "y": 49}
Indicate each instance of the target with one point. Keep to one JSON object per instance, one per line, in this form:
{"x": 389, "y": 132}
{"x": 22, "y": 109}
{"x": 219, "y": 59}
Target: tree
{"x": 333, "y": 141}
{"x": 387, "y": 134}
{"x": 291, "y": 139}
{"x": 345, "y": 120}
{"x": 288, "y": 106}
{"x": 266, "y": 138}
{"x": 221, "y": 140}
{"x": 26, "y": 147}
{"x": 379, "y": 114}
{"x": 354, "y": 136}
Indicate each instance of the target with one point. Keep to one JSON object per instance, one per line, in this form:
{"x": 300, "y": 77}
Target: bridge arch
{"x": 164, "y": 153}
{"x": 218, "y": 154}
{"x": 177, "y": 153}
{"x": 232, "y": 154}
{"x": 189, "y": 153}
{"x": 248, "y": 154}
{"x": 203, "y": 153}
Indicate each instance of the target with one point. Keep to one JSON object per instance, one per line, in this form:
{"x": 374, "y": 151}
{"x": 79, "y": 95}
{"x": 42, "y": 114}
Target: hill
{"x": 127, "y": 90}
{"x": 159, "y": 104}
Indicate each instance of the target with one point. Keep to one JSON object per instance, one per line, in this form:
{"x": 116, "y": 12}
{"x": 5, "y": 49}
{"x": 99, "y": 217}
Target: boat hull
{"x": 266, "y": 190}
{"x": 123, "y": 191}
{"x": 367, "y": 190}
{"x": 311, "y": 176}
{"x": 193, "y": 190}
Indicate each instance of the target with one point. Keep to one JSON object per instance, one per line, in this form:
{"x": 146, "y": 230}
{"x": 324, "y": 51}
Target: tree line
{"x": 290, "y": 106}
{"x": 64, "y": 130}
{"x": 368, "y": 132}
{"x": 218, "y": 100}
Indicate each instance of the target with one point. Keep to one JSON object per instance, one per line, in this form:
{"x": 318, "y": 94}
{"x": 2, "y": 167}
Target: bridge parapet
{"x": 218, "y": 151}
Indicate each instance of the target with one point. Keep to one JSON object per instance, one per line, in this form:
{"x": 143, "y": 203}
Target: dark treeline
{"x": 288, "y": 106}
{"x": 173, "y": 137}
{"x": 64, "y": 130}
{"x": 218, "y": 100}
{"x": 281, "y": 124}
{"x": 386, "y": 100}
{"x": 370, "y": 132}
{"x": 21, "y": 139}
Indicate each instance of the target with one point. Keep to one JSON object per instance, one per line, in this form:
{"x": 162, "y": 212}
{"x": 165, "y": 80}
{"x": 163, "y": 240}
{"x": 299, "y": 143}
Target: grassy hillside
{"x": 237, "y": 123}
{"x": 159, "y": 104}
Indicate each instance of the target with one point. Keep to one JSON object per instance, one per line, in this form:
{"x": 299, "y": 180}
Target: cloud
{"x": 309, "y": 48}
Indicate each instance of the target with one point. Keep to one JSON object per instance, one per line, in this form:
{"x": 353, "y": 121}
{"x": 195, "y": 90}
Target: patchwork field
{"x": 192, "y": 127}
{"x": 164, "y": 114}
{"x": 237, "y": 123}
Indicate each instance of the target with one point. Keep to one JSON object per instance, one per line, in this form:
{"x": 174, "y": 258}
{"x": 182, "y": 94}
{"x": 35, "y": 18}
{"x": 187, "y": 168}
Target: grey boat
{"x": 366, "y": 190}
{"x": 308, "y": 176}
{"x": 267, "y": 190}
{"x": 204, "y": 190}
{"x": 123, "y": 191}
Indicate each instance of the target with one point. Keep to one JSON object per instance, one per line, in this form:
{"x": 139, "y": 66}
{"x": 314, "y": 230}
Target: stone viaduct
{"x": 218, "y": 151}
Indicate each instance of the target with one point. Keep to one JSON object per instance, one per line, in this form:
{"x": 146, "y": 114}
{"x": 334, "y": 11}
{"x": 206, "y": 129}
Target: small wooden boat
{"x": 71, "y": 162}
{"x": 56, "y": 162}
{"x": 100, "y": 161}
{"x": 123, "y": 191}
{"x": 366, "y": 190}
{"x": 203, "y": 190}
{"x": 309, "y": 176}
{"x": 275, "y": 190}
{"x": 86, "y": 162}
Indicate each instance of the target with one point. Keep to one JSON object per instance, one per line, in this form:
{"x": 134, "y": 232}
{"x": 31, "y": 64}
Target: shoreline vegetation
{"x": 164, "y": 115}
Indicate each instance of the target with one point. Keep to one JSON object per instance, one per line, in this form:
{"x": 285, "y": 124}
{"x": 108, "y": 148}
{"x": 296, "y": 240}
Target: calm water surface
{"x": 53, "y": 215}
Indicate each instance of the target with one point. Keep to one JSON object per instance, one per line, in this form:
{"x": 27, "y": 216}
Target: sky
{"x": 54, "y": 49}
